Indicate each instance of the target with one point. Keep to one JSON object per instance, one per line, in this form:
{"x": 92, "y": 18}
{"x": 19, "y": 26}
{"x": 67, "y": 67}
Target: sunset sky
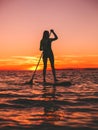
{"x": 22, "y": 23}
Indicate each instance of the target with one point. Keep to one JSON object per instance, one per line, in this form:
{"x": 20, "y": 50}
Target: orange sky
{"x": 22, "y": 23}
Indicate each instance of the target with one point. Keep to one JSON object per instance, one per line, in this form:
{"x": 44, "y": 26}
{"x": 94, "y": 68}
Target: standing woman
{"x": 45, "y": 46}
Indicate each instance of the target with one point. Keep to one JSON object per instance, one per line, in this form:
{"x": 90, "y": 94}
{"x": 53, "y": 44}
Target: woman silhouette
{"x": 45, "y": 46}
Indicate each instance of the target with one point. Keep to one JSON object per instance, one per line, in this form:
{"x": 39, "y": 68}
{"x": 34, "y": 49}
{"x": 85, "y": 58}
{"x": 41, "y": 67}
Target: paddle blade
{"x": 29, "y": 82}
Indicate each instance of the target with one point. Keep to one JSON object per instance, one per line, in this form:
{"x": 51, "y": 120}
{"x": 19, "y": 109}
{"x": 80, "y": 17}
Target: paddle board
{"x": 58, "y": 83}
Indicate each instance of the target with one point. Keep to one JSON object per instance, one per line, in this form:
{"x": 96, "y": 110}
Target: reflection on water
{"x": 49, "y": 107}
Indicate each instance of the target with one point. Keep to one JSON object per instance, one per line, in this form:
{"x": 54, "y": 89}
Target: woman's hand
{"x": 52, "y": 30}
{"x": 55, "y": 36}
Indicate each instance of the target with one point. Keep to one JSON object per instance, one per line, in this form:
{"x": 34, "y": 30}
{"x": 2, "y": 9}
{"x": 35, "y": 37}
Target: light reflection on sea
{"x": 47, "y": 107}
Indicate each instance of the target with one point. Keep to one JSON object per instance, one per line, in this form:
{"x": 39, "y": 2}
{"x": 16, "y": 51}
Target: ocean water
{"x": 39, "y": 107}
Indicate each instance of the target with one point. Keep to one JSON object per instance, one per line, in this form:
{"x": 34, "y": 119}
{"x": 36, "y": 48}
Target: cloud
{"x": 18, "y": 61}
{"x": 73, "y": 56}
{"x": 90, "y": 60}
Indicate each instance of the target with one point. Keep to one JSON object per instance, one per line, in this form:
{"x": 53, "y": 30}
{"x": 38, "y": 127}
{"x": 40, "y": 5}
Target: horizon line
{"x": 50, "y": 69}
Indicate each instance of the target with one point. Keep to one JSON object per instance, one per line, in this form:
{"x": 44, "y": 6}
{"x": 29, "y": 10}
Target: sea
{"x": 47, "y": 107}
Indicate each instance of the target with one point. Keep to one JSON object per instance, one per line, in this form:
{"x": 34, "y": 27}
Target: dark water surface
{"x": 39, "y": 107}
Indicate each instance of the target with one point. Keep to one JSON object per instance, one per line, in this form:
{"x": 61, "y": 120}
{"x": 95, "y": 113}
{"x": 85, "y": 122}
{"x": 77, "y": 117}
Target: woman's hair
{"x": 45, "y": 34}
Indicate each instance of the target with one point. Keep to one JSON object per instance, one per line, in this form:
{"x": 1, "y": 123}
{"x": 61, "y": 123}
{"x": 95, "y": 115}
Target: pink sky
{"x": 22, "y": 23}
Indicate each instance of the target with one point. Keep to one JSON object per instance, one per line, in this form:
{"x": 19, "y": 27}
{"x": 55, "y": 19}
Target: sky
{"x": 22, "y": 23}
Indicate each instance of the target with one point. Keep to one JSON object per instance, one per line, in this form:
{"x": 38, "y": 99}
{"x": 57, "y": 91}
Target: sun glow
{"x": 35, "y": 68}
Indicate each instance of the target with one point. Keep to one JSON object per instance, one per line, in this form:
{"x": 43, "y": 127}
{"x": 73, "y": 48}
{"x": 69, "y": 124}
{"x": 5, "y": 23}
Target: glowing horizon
{"x": 22, "y": 23}
{"x": 30, "y": 63}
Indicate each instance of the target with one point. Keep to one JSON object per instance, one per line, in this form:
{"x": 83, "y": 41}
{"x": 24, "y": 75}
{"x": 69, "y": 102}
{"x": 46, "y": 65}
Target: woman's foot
{"x": 44, "y": 80}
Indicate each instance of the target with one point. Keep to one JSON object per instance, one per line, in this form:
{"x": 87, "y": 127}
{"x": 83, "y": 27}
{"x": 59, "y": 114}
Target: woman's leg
{"x": 44, "y": 68}
{"x": 51, "y": 58}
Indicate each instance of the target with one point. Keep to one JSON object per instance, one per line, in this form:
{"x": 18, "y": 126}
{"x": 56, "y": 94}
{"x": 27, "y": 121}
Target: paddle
{"x": 31, "y": 80}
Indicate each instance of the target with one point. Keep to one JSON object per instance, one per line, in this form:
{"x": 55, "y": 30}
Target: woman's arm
{"x": 55, "y": 35}
{"x": 41, "y": 46}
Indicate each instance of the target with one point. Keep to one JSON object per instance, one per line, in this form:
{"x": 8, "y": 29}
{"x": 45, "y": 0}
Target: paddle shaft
{"x": 36, "y": 67}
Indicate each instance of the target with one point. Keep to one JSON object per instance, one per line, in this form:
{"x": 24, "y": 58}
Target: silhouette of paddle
{"x": 31, "y": 80}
